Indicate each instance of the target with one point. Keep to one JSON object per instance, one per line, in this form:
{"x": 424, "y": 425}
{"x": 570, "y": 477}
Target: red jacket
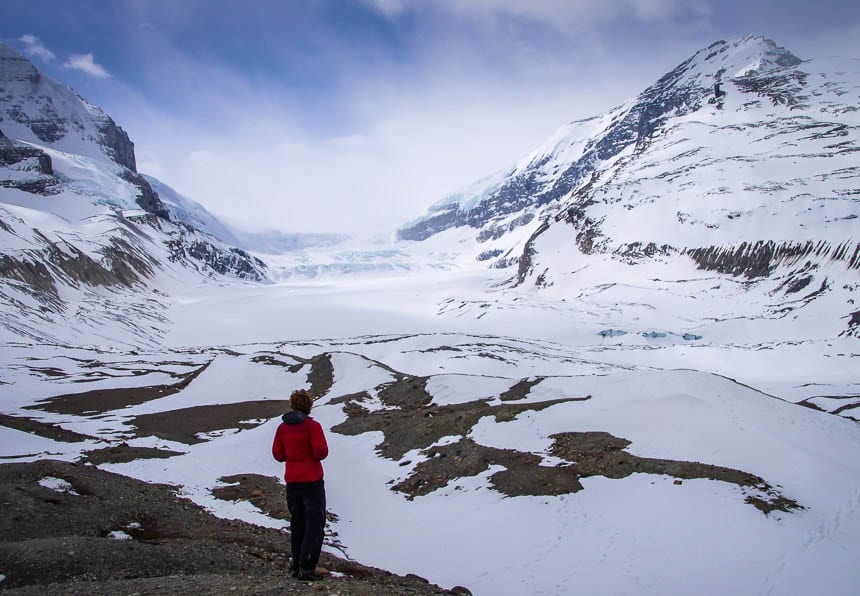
{"x": 300, "y": 442}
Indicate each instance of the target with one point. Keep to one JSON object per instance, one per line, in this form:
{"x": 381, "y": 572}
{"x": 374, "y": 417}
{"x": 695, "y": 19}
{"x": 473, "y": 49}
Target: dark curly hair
{"x": 301, "y": 400}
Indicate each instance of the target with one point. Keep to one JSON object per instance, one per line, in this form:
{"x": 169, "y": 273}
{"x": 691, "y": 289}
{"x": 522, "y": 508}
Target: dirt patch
{"x": 418, "y": 424}
{"x": 590, "y": 454}
{"x": 99, "y": 401}
{"x": 523, "y": 474}
{"x": 118, "y": 535}
{"x": 520, "y": 389}
{"x": 43, "y": 429}
{"x": 263, "y": 492}
{"x": 186, "y": 424}
{"x": 123, "y": 453}
{"x": 601, "y": 454}
{"x": 320, "y": 376}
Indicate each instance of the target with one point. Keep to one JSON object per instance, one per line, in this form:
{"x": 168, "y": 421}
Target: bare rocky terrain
{"x": 86, "y": 531}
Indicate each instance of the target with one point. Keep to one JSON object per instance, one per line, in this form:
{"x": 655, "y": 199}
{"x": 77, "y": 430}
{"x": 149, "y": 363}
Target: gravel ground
{"x": 74, "y": 529}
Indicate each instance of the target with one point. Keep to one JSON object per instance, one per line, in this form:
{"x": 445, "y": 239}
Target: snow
{"x": 57, "y": 485}
{"x": 601, "y": 539}
{"x": 17, "y": 445}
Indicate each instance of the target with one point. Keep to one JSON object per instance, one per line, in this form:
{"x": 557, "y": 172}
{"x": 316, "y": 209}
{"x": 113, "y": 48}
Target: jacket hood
{"x": 294, "y": 417}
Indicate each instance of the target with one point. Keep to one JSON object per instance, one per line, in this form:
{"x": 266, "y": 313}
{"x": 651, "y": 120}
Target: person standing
{"x": 300, "y": 443}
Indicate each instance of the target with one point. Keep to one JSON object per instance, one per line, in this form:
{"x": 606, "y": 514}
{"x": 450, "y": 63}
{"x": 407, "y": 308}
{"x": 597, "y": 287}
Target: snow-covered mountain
{"x": 87, "y": 246}
{"x": 36, "y": 108}
{"x": 740, "y": 161}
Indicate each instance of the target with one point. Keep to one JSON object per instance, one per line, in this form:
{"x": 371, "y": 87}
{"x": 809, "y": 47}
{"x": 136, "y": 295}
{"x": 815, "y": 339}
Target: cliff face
{"x": 118, "y": 145}
{"x": 25, "y": 167}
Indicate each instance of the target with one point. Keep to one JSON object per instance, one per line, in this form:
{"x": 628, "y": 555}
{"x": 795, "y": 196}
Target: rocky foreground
{"x": 74, "y": 529}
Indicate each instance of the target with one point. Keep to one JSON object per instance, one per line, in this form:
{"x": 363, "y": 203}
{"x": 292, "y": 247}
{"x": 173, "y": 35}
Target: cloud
{"x": 85, "y": 63}
{"x": 394, "y": 141}
{"x": 558, "y": 14}
{"x": 34, "y": 47}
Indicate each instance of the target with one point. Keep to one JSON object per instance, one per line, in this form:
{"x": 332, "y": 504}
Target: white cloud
{"x": 86, "y": 63}
{"x": 394, "y": 141}
{"x": 35, "y": 47}
{"x": 559, "y": 14}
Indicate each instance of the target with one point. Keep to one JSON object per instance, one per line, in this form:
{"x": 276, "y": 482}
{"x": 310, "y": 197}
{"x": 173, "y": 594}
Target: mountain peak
{"x": 15, "y": 67}
{"x": 38, "y": 109}
{"x": 745, "y": 55}
{"x": 579, "y": 150}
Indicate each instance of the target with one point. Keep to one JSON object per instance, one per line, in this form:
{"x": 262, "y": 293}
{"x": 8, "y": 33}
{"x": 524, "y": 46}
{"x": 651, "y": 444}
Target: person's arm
{"x": 278, "y": 447}
{"x": 319, "y": 447}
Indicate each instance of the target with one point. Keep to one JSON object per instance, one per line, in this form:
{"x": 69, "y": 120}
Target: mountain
{"x": 38, "y": 109}
{"x": 740, "y": 161}
{"x": 88, "y": 249}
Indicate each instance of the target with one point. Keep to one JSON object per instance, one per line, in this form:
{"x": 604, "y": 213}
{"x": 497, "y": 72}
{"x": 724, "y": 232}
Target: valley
{"x": 627, "y": 364}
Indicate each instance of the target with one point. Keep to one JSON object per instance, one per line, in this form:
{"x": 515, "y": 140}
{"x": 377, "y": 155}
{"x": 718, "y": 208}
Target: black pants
{"x": 306, "y": 502}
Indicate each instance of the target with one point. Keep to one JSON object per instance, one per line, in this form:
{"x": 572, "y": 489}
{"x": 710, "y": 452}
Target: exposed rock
{"x": 225, "y": 261}
{"x": 119, "y": 146}
{"x": 29, "y": 168}
{"x": 34, "y": 275}
{"x": 760, "y": 259}
{"x": 525, "y": 261}
{"x": 147, "y": 199}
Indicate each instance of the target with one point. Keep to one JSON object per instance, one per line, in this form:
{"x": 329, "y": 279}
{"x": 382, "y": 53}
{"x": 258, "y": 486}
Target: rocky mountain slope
{"x": 87, "y": 246}
{"x": 741, "y": 162}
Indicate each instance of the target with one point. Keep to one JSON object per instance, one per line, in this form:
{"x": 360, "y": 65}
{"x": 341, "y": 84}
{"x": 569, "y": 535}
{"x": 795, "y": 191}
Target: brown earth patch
{"x": 520, "y": 389}
{"x": 99, "y": 401}
{"x": 418, "y": 423}
{"x": 124, "y": 453}
{"x": 590, "y": 454}
{"x": 43, "y": 429}
{"x": 602, "y": 454}
{"x": 183, "y": 425}
{"x": 523, "y": 474}
{"x": 320, "y": 375}
{"x": 263, "y": 492}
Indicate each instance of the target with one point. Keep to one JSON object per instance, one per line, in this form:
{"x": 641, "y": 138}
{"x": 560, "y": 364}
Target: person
{"x": 300, "y": 443}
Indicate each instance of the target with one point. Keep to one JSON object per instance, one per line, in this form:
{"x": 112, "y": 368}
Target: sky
{"x": 353, "y": 116}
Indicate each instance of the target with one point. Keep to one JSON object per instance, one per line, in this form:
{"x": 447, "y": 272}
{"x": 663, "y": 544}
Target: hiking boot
{"x": 307, "y": 575}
